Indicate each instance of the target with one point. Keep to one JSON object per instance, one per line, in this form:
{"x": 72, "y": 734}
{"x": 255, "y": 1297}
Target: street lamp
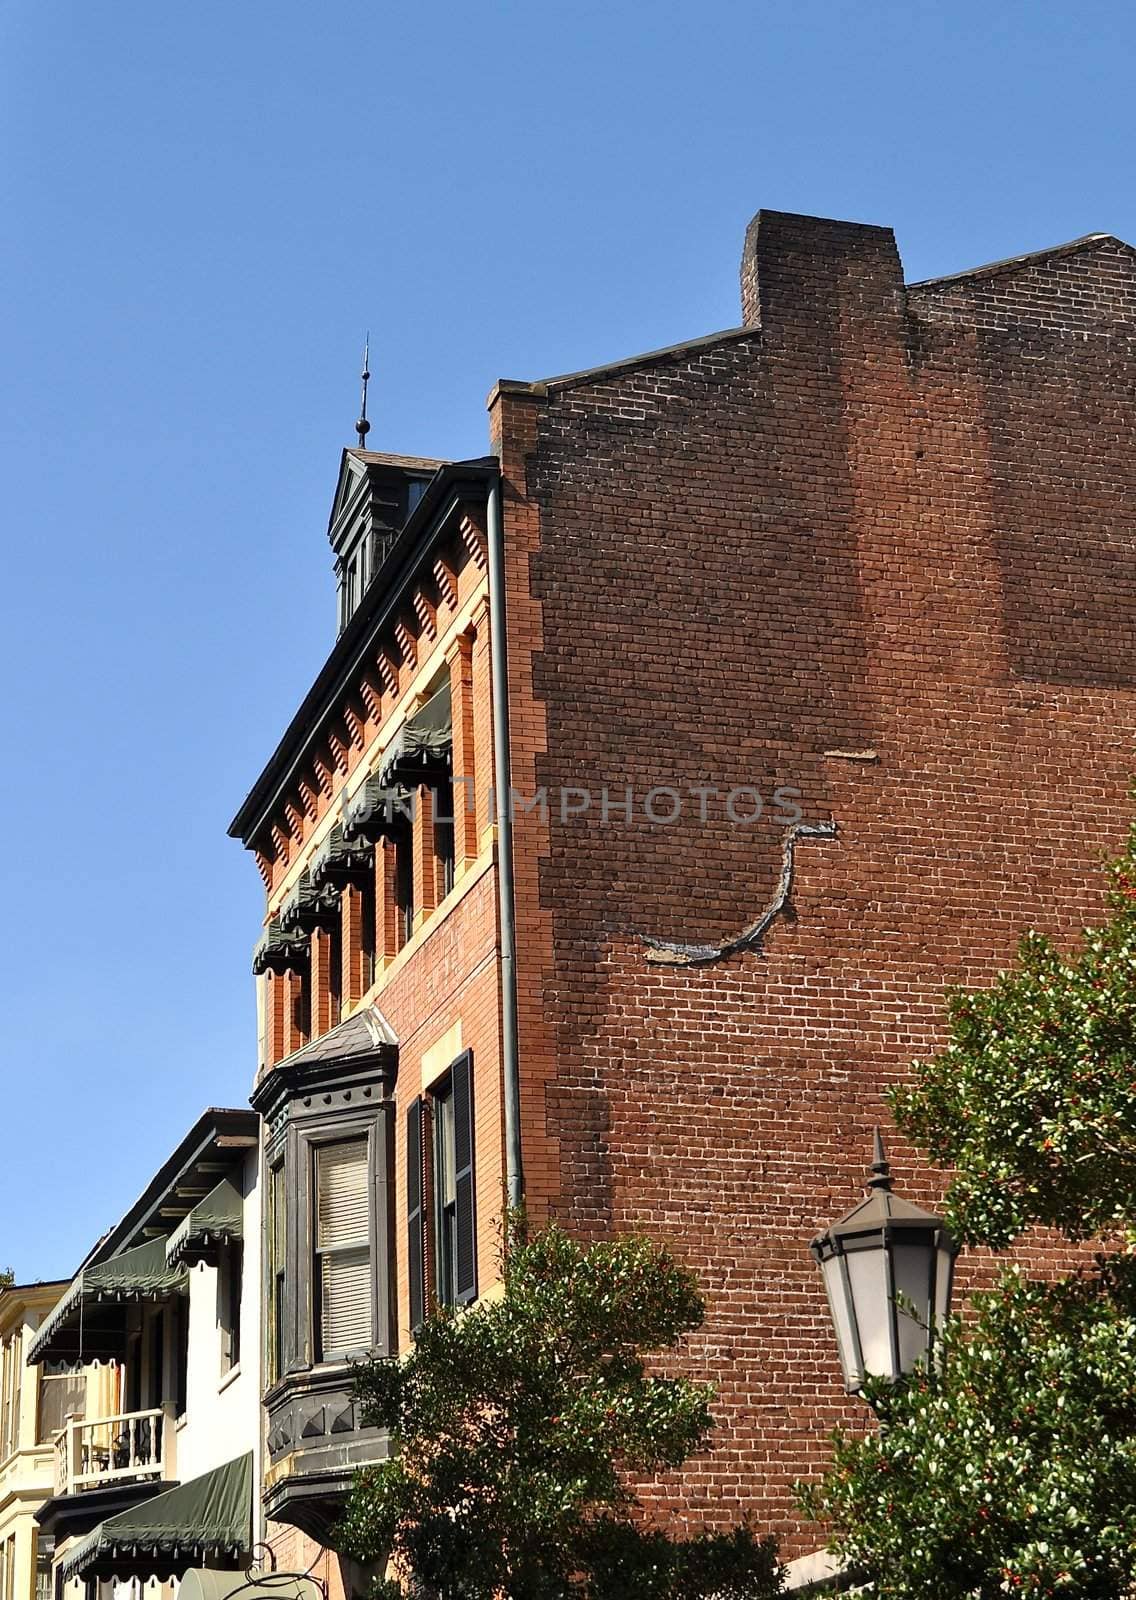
{"x": 887, "y": 1269}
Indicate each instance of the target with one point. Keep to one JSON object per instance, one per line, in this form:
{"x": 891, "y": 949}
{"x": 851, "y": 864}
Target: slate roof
{"x": 359, "y": 1035}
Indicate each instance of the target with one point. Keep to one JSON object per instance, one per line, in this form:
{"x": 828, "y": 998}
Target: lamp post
{"x": 887, "y": 1269}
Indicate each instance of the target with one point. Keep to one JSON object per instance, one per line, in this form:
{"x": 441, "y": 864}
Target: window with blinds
{"x": 343, "y": 1248}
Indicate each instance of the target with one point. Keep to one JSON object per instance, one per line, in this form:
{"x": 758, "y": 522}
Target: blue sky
{"x": 203, "y": 207}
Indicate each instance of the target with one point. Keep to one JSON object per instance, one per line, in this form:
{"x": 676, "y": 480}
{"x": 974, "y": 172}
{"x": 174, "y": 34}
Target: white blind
{"x": 343, "y": 1241}
{"x": 341, "y": 1200}
{"x": 345, "y": 1304}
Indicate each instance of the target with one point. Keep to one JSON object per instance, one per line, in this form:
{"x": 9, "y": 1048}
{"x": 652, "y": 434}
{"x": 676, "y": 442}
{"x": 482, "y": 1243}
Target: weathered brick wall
{"x": 874, "y": 523}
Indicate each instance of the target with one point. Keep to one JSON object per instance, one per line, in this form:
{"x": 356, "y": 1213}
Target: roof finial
{"x": 363, "y": 427}
{"x": 881, "y": 1167}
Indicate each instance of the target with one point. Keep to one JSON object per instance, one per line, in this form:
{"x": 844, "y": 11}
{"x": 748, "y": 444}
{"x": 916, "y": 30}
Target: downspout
{"x": 502, "y": 789}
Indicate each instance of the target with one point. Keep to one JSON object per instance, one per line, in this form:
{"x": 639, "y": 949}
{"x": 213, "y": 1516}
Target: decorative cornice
{"x": 309, "y": 798}
{"x": 294, "y": 817}
{"x": 406, "y": 642}
{"x": 447, "y": 582}
{"x": 474, "y": 541}
{"x": 355, "y": 725}
{"x": 371, "y": 694}
{"x": 323, "y": 766}
{"x": 451, "y": 491}
{"x": 387, "y": 669}
{"x": 426, "y": 612}
{"x": 339, "y": 748}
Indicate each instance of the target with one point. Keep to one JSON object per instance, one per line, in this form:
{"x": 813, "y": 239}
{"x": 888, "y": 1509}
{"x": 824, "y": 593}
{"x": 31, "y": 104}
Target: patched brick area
{"x": 874, "y": 520}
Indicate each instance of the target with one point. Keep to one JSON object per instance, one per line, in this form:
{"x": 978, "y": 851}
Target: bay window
{"x": 329, "y": 1121}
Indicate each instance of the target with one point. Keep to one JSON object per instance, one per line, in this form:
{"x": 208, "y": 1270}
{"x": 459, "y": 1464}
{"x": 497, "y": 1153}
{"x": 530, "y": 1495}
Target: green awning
{"x": 89, "y": 1322}
{"x": 377, "y": 810}
{"x": 277, "y": 951}
{"x": 337, "y": 860}
{"x": 214, "y": 1221}
{"x": 422, "y": 742}
{"x": 208, "y": 1519}
{"x": 309, "y": 906}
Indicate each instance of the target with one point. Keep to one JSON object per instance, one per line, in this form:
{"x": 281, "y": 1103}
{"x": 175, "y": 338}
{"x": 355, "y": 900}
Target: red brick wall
{"x": 453, "y": 977}
{"x": 875, "y": 522}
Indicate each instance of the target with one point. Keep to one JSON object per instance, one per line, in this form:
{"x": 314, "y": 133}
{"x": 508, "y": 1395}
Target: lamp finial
{"x": 363, "y": 427}
{"x": 881, "y": 1167}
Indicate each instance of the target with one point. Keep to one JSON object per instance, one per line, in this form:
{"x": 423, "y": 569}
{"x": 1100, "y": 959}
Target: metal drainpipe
{"x": 499, "y": 678}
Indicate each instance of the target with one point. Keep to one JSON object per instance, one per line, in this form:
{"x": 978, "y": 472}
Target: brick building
{"x": 864, "y": 565}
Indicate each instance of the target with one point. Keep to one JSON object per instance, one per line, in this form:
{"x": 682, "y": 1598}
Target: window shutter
{"x": 415, "y": 1216}
{"x": 465, "y": 1265}
{"x": 343, "y": 1240}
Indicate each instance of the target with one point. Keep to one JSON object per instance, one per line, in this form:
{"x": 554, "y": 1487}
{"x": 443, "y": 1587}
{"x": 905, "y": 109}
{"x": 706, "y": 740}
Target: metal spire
{"x": 880, "y": 1168}
{"x": 363, "y": 427}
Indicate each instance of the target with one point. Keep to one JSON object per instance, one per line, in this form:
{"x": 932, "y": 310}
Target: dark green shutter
{"x": 465, "y": 1266}
{"x": 415, "y": 1217}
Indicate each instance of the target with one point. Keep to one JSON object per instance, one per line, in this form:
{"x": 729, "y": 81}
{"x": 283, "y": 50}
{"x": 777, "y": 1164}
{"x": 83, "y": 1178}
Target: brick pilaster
{"x": 322, "y": 998}
{"x": 424, "y": 859}
{"x": 353, "y": 980}
{"x": 459, "y": 659}
{"x": 481, "y": 695}
{"x": 295, "y": 1020}
{"x": 274, "y": 1017}
{"x": 388, "y": 930}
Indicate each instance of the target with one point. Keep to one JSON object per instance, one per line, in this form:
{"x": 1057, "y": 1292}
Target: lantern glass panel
{"x": 911, "y": 1267}
{"x": 867, "y": 1274}
{"x": 841, "y": 1311}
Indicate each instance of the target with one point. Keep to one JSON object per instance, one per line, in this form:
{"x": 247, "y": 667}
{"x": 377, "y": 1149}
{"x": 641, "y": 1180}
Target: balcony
{"x": 129, "y": 1448}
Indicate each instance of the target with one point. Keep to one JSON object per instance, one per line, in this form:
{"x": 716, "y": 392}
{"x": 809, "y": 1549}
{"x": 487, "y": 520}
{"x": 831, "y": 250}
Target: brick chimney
{"x": 798, "y": 272}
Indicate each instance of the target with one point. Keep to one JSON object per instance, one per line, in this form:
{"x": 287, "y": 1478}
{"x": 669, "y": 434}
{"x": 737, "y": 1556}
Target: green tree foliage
{"x": 1011, "y": 1469}
{"x": 518, "y": 1424}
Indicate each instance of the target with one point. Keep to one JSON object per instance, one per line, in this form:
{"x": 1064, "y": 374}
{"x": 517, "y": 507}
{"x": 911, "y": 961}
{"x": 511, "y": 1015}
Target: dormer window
{"x": 373, "y": 499}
